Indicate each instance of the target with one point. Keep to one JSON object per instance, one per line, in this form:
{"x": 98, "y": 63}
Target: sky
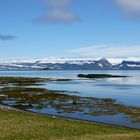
{"x": 69, "y": 28}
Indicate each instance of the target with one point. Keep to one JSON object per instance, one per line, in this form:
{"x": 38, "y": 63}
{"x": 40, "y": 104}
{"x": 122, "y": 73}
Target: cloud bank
{"x": 108, "y": 51}
{"x": 7, "y": 37}
{"x": 130, "y": 7}
{"x": 58, "y": 11}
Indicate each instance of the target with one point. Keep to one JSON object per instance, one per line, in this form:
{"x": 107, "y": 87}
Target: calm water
{"x": 125, "y": 91}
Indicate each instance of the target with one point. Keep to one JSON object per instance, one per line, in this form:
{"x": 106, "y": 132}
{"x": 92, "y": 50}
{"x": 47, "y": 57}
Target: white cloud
{"x": 109, "y": 51}
{"x": 57, "y": 11}
{"x": 130, "y": 7}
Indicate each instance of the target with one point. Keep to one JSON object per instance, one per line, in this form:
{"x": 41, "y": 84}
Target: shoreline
{"x": 22, "y": 81}
{"x": 12, "y": 109}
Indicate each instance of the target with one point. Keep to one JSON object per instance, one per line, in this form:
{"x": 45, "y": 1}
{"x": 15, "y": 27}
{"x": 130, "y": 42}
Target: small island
{"x": 99, "y": 76}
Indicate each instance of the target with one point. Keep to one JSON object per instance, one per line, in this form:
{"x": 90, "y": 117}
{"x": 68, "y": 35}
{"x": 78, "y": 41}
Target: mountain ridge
{"x": 69, "y": 64}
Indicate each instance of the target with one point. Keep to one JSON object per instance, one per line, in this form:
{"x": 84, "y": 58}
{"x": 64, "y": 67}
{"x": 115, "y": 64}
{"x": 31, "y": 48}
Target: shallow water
{"x": 125, "y": 91}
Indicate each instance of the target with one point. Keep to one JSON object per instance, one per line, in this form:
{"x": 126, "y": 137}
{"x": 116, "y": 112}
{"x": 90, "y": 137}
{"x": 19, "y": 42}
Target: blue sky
{"x": 44, "y": 28}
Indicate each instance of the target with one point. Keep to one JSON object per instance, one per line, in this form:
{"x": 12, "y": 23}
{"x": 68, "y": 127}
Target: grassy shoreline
{"x": 16, "y": 124}
{"x": 30, "y": 126}
{"x": 13, "y": 109}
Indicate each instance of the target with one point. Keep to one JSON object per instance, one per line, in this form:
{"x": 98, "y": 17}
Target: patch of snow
{"x": 100, "y": 65}
{"x": 133, "y": 65}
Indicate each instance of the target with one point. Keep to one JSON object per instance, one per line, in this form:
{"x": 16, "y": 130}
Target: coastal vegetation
{"x": 26, "y": 81}
{"x": 24, "y": 94}
{"x": 28, "y": 126}
{"x": 37, "y": 99}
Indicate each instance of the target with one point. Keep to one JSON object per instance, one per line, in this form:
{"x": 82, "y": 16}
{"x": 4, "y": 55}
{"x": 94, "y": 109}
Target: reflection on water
{"x": 113, "y": 101}
{"x": 59, "y": 103}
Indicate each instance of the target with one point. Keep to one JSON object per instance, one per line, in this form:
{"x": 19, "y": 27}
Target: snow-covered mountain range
{"x": 69, "y": 64}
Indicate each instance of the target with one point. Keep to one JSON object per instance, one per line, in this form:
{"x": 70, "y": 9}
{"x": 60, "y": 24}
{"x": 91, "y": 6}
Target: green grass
{"x": 28, "y": 126}
{"x": 99, "y": 76}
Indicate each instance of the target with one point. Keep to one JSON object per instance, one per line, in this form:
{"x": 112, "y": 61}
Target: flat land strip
{"x": 28, "y": 126}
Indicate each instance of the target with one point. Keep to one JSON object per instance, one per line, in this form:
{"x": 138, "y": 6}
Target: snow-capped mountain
{"x": 128, "y": 65}
{"x": 62, "y": 63}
